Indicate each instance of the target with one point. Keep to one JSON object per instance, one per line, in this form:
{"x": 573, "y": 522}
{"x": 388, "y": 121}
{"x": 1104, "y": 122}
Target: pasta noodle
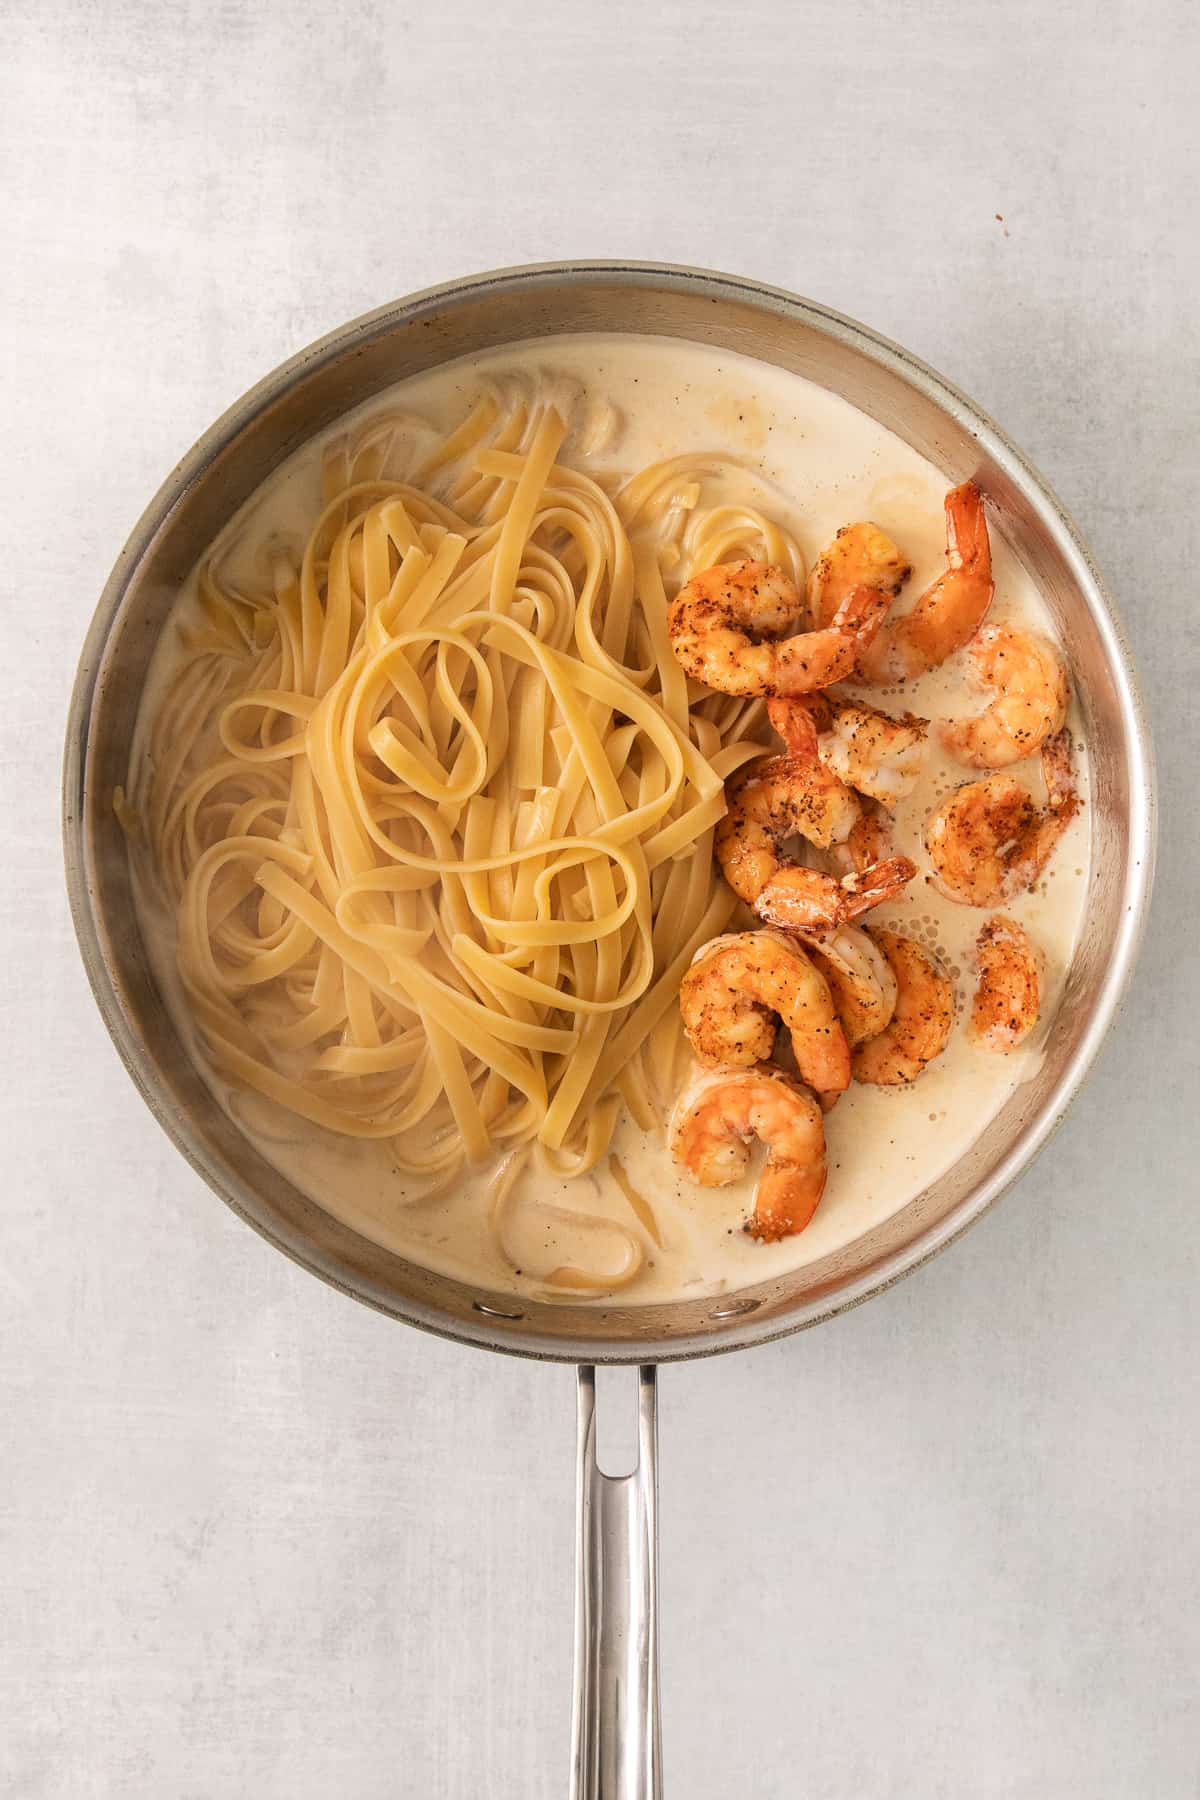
{"x": 431, "y": 804}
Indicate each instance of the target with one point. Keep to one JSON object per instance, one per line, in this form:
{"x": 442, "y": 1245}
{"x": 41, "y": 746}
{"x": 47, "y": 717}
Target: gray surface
{"x": 257, "y": 1541}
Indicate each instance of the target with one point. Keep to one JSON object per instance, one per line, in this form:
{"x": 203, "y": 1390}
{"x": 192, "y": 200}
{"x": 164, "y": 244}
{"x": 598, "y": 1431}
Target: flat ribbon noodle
{"x": 432, "y": 814}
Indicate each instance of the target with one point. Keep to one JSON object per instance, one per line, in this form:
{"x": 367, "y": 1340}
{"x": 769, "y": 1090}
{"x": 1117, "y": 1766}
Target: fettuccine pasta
{"x": 431, "y": 803}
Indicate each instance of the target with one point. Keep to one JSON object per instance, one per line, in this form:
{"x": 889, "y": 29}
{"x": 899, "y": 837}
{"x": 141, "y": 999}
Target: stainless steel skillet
{"x": 616, "y": 1703}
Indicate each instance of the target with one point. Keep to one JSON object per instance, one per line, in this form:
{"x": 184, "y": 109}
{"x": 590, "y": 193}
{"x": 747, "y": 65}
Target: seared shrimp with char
{"x": 770, "y": 800}
{"x": 862, "y": 984}
{"x": 740, "y": 984}
{"x": 738, "y": 628}
{"x": 989, "y": 839}
{"x": 860, "y": 555}
{"x": 871, "y": 751}
{"x": 1008, "y": 995}
{"x": 919, "y": 1028}
{"x": 807, "y": 900}
{"x": 875, "y": 753}
{"x": 713, "y": 1127}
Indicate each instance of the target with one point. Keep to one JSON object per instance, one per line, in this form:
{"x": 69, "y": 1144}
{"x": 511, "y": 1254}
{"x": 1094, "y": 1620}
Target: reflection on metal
{"x": 616, "y": 1750}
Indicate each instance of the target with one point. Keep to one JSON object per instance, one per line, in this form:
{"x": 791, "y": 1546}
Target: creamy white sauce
{"x": 824, "y": 464}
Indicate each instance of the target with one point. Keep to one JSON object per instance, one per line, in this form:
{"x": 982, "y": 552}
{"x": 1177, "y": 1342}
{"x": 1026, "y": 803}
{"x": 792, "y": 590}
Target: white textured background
{"x": 261, "y": 1543}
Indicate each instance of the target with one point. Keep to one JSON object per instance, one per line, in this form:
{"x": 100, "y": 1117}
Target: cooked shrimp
{"x": 800, "y": 719}
{"x": 774, "y": 798}
{"x": 711, "y": 1132}
{"x": 737, "y": 986}
{"x": 874, "y": 752}
{"x": 949, "y": 613}
{"x": 727, "y": 629}
{"x": 861, "y": 983}
{"x": 805, "y": 900}
{"x": 1008, "y": 997}
{"x": 1030, "y": 683}
{"x": 989, "y": 839}
{"x": 921, "y": 1022}
{"x": 869, "y": 842}
{"x": 859, "y": 556}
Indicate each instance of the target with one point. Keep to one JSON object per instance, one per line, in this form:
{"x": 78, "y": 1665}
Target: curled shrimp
{"x": 737, "y": 986}
{"x": 1030, "y": 682}
{"x": 710, "y": 1136}
{"x": 771, "y": 799}
{"x": 862, "y": 985}
{"x": 949, "y": 613}
{"x": 873, "y": 752}
{"x": 860, "y": 556}
{"x": 989, "y": 839}
{"x": 919, "y": 1026}
{"x": 1008, "y": 997}
{"x": 807, "y": 900}
{"x": 728, "y": 626}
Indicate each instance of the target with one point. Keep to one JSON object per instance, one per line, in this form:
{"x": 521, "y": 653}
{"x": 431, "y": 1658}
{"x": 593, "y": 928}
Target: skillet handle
{"x": 616, "y": 1746}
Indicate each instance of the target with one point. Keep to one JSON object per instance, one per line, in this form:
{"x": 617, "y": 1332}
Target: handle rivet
{"x": 495, "y": 1312}
{"x": 733, "y": 1309}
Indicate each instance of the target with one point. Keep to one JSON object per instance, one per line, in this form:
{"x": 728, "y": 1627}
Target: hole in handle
{"x": 616, "y": 1421}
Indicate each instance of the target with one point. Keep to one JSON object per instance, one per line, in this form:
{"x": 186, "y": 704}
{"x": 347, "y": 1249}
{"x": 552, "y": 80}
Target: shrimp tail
{"x": 862, "y": 612}
{"x": 967, "y": 541}
{"x": 948, "y": 613}
{"x": 800, "y": 719}
{"x": 879, "y": 882}
{"x": 804, "y": 900}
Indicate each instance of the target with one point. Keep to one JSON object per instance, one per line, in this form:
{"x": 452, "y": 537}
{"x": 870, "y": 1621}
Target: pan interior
{"x": 345, "y": 371}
